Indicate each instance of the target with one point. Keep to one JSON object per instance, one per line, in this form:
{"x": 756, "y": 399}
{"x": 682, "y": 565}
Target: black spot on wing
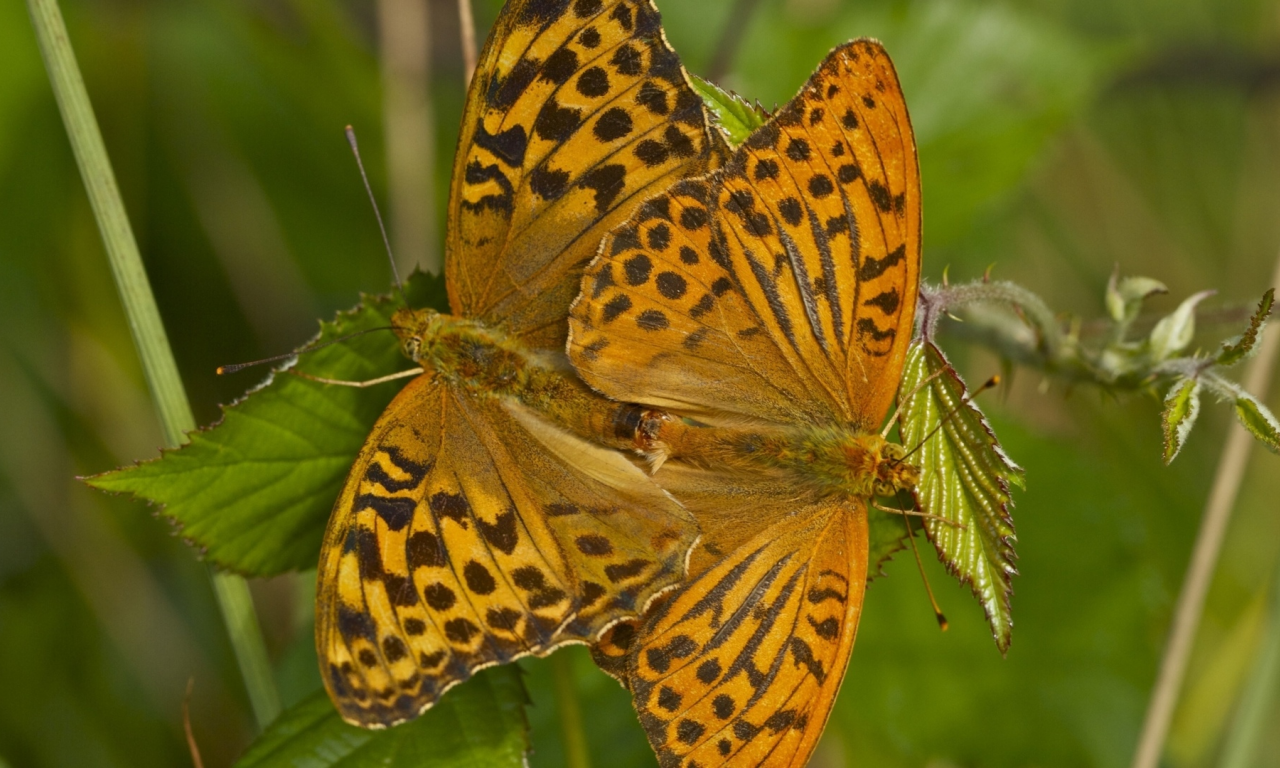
{"x": 887, "y": 301}
{"x": 509, "y": 146}
{"x": 873, "y": 267}
{"x": 607, "y": 181}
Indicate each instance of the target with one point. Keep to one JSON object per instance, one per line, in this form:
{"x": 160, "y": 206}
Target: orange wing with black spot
{"x": 779, "y": 289}
{"x": 782, "y": 287}
{"x": 741, "y": 666}
{"x": 471, "y": 533}
{"x": 579, "y": 111}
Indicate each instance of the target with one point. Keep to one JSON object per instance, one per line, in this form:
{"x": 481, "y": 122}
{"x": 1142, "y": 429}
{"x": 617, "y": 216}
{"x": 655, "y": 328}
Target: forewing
{"x": 822, "y": 208}
{"x": 814, "y": 237}
{"x": 579, "y": 109}
{"x": 468, "y": 536}
{"x": 742, "y": 665}
{"x": 661, "y": 321}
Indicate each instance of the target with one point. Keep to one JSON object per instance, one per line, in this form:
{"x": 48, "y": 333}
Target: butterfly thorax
{"x": 485, "y": 361}
{"x": 827, "y": 460}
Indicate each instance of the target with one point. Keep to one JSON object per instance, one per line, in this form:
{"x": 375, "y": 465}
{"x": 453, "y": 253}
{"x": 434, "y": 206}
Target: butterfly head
{"x": 414, "y": 327}
{"x": 892, "y": 472}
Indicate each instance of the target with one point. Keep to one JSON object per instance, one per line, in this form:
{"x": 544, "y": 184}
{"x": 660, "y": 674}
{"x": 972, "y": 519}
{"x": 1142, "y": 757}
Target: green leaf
{"x": 254, "y": 491}
{"x": 479, "y": 723}
{"x": 737, "y": 119}
{"x": 1175, "y": 331}
{"x": 1259, "y": 421}
{"x": 1181, "y": 407}
{"x": 1125, "y": 296}
{"x": 1237, "y": 349}
{"x": 888, "y": 536}
{"x": 965, "y": 479}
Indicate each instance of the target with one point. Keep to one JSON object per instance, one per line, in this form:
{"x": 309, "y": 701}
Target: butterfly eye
{"x": 411, "y": 347}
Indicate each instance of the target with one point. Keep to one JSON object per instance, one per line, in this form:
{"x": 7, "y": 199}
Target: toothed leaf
{"x": 965, "y": 479}
{"x": 1240, "y": 347}
{"x": 1181, "y": 407}
{"x": 1259, "y": 420}
{"x": 736, "y": 118}
{"x": 481, "y": 723}
{"x": 254, "y": 491}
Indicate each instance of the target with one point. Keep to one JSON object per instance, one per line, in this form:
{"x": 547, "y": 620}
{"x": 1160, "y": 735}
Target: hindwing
{"x": 742, "y": 665}
{"x": 471, "y": 533}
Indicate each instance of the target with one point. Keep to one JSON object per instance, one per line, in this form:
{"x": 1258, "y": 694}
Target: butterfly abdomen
{"x": 827, "y": 460}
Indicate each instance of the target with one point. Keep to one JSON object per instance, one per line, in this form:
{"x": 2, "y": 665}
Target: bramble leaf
{"x": 888, "y": 535}
{"x": 736, "y": 118}
{"x": 254, "y": 491}
{"x": 1181, "y": 407}
{"x": 965, "y": 479}
{"x": 1259, "y": 420}
{"x": 1175, "y": 331}
{"x": 479, "y": 723}
{"x": 1237, "y": 349}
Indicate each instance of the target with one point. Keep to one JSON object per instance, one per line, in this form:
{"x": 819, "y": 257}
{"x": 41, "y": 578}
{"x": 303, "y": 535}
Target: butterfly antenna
{"x": 386, "y": 241}
{"x": 990, "y": 383}
{"x": 224, "y": 370}
{"x": 898, "y": 411}
{"x": 933, "y": 601}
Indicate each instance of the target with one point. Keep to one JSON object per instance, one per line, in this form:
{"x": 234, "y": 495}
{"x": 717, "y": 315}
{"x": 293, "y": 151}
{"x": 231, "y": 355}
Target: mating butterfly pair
{"x": 743, "y": 327}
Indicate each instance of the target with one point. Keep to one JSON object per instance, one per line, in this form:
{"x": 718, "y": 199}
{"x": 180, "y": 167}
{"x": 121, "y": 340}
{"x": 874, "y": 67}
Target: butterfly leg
{"x": 368, "y": 383}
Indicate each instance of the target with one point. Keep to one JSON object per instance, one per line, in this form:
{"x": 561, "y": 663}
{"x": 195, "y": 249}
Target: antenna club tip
{"x": 221, "y": 370}
{"x": 942, "y": 623}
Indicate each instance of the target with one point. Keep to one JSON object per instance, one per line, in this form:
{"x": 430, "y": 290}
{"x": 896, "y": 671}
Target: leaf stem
{"x": 576, "y": 754}
{"x": 145, "y": 324}
{"x": 1204, "y": 559}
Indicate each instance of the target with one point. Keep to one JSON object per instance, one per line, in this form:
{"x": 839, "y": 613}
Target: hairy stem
{"x": 148, "y": 331}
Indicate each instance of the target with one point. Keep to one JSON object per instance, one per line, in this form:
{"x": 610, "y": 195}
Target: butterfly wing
{"x": 782, "y": 287}
{"x": 445, "y": 555}
{"x": 578, "y": 110}
{"x": 742, "y": 665}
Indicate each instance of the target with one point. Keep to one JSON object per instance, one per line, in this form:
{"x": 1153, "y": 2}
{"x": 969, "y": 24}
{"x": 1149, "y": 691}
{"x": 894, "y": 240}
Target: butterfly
{"x": 763, "y": 313}
{"x": 486, "y": 517}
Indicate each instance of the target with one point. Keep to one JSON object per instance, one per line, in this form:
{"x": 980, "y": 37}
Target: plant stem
{"x": 467, "y": 30}
{"x": 576, "y": 754}
{"x": 1204, "y": 559}
{"x": 404, "y": 34}
{"x": 144, "y": 321}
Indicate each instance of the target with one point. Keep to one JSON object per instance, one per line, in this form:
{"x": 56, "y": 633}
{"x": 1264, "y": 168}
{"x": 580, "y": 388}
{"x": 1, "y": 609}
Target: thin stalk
{"x": 144, "y": 321}
{"x": 1256, "y": 703}
{"x": 1204, "y": 559}
{"x": 404, "y": 31}
{"x": 576, "y": 754}
{"x": 467, "y": 30}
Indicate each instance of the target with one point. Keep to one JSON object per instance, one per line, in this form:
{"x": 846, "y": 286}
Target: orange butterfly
{"x": 483, "y": 520}
{"x": 764, "y": 313}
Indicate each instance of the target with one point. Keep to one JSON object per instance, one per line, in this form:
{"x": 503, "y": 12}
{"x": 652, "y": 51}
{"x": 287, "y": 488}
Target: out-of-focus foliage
{"x": 1058, "y": 138}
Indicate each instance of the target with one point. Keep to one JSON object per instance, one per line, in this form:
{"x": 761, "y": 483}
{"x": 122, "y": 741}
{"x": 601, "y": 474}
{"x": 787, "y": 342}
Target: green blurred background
{"x": 1058, "y": 138}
